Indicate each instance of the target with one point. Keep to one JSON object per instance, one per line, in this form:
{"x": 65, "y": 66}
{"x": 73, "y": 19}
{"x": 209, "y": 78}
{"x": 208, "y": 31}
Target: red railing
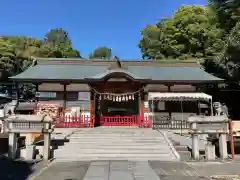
{"x": 87, "y": 121}
{"x": 82, "y": 121}
{"x": 119, "y": 121}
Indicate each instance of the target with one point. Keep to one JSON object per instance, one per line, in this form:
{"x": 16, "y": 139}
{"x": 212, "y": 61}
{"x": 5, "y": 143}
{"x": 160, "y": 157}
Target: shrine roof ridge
{"x": 124, "y": 62}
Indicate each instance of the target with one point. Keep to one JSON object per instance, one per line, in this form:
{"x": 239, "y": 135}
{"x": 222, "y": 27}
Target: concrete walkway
{"x": 125, "y": 167}
{"x": 130, "y": 170}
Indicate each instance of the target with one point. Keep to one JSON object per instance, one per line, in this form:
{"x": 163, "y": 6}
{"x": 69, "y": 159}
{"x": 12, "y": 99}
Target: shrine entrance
{"x": 123, "y": 112}
{"x": 117, "y": 101}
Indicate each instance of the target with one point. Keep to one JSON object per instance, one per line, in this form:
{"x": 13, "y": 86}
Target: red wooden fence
{"x": 85, "y": 121}
{"x": 82, "y": 121}
{"x": 119, "y": 121}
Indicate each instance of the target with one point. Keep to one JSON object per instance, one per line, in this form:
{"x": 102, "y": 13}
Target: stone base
{"x": 210, "y": 152}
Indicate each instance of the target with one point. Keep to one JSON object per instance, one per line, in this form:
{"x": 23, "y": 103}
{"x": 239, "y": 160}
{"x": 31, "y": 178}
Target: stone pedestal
{"x": 210, "y": 152}
{"x": 30, "y": 152}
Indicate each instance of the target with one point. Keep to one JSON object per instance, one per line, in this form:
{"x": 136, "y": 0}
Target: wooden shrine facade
{"x": 98, "y": 92}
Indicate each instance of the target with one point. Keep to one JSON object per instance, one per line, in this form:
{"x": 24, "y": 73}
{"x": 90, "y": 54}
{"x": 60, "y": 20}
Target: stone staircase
{"x": 136, "y": 144}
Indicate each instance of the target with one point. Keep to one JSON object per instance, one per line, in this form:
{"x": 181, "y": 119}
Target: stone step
{"x": 123, "y": 155}
{"x": 118, "y": 141}
{"x": 181, "y": 148}
{"x": 109, "y": 151}
{"x": 115, "y": 144}
{"x": 162, "y": 148}
{"x": 97, "y": 144}
{"x": 72, "y": 159}
{"x": 122, "y": 132}
{"x": 184, "y": 155}
{"x": 130, "y": 147}
{"x": 114, "y": 137}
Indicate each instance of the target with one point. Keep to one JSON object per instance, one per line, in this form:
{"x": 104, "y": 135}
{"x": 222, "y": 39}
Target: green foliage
{"x": 58, "y": 37}
{"x": 227, "y": 13}
{"x": 60, "y": 44}
{"x": 101, "y": 53}
{"x": 188, "y": 33}
{"x": 17, "y": 52}
{"x": 209, "y": 32}
{"x": 7, "y": 55}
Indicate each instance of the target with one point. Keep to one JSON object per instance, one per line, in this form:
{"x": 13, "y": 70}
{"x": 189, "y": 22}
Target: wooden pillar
{"x": 141, "y": 108}
{"x": 92, "y": 110}
{"x": 64, "y": 96}
{"x": 37, "y": 97}
{"x": 142, "y": 103}
{"x": 169, "y": 88}
{"x": 198, "y": 107}
{"x": 169, "y": 110}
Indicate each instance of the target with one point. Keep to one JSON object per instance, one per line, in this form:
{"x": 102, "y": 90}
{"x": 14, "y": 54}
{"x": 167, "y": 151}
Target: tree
{"x": 58, "y": 37}
{"x": 190, "y": 32}
{"x": 226, "y": 62}
{"x": 7, "y": 55}
{"x": 101, "y": 53}
{"x": 17, "y": 52}
{"x": 59, "y": 40}
{"x": 227, "y": 13}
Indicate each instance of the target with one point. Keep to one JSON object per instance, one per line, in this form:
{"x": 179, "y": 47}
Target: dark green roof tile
{"x": 60, "y": 72}
{"x": 173, "y": 73}
{"x": 80, "y": 70}
{"x": 119, "y": 70}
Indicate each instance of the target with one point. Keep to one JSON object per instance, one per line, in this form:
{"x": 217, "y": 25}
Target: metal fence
{"x": 175, "y": 124}
{"x": 164, "y": 122}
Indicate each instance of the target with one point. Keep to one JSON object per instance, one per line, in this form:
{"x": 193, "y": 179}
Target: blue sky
{"x": 90, "y": 23}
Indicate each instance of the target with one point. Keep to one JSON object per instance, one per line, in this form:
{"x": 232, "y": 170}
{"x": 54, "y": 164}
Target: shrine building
{"x": 110, "y": 92}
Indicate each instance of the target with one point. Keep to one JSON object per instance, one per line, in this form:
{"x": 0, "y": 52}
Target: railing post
{"x": 47, "y": 141}
{"x": 195, "y": 142}
{"x": 12, "y": 142}
{"x": 232, "y": 139}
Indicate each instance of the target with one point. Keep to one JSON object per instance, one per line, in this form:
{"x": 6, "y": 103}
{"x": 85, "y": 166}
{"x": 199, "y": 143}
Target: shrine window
{"x": 42, "y": 96}
{"x": 78, "y": 99}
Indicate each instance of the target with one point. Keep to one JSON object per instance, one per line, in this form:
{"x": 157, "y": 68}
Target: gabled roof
{"x": 119, "y": 71}
{"x": 55, "y": 69}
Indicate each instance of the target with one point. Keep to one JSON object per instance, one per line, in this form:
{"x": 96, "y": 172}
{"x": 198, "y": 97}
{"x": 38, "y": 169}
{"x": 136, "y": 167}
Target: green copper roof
{"x": 131, "y": 74}
{"x": 173, "y": 73}
{"x": 81, "y": 70}
{"x": 60, "y": 72}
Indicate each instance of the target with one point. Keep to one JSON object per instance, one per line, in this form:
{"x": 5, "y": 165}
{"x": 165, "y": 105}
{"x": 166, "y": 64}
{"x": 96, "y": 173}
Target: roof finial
{"x": 34, "y": 61}
{"x": 118, "y": 62}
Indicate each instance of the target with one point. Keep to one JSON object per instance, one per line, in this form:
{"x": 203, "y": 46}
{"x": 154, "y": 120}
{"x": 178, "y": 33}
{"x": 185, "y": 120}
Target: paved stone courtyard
{"x": 140, "y": 170}
{"x": 75, "y": 168}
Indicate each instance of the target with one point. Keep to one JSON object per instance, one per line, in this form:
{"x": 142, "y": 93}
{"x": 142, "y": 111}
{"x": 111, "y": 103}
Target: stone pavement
{"x": 141, "y": 170}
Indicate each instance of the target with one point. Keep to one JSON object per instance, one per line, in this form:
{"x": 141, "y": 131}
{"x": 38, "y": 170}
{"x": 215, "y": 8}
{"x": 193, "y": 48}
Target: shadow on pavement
{"x": 14, "y": 169}
{"x": 55, "y": 143}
